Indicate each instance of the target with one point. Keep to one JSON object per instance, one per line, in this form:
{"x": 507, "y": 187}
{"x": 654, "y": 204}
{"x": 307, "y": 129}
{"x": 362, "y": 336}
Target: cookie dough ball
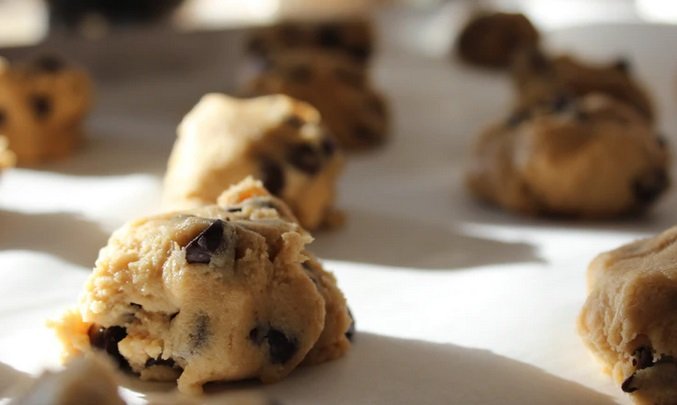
{"x": 274, "y": 138}
{"x": 591, "y": 157}
{"x": 538, "y": 78}
{"x": 340, "y": 90}
{"x": 351, "y": 37}
{"x": 42, "y": 106}
{"x": 7, "y": 157}
{"x": 87, "y": 380}
{"x": 217, "y": 293}
{"x": 491, "y": 40}
{"x": 629, "y": 319}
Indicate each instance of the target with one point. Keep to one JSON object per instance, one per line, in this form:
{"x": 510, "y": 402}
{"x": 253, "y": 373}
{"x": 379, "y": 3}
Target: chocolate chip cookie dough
{"x": 42, "y": 106}
{"x": 491, "y": 39}
{"x": 340, "y": 90}
{"x": 275, "y": 138}
{"x": 589, "y": 157}
{"x": 352, "y": 37}
{"x": 629, "y": 319}
{"x": 539, "y": 77}
{"x": 218, "y": 293}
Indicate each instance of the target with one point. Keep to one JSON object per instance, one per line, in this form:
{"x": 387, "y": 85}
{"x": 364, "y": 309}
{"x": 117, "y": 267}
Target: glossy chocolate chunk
{"x": 305, "y": 157}
{"x": 272, "y": 177}
{"x": 281, "y": 348}
{"x": 643, "y": 358}
{"x": 205, "y": 244}
{"x": 41, "y": 105}
{"x": 107, "y": 339}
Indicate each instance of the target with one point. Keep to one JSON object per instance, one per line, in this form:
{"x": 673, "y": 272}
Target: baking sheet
{"x": 455, "y": 302}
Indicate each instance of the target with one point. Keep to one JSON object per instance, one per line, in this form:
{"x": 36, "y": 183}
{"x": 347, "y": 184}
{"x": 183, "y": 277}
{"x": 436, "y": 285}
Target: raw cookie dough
{"x": 351, "y": 37}
{"x": 217, "y": 293}
{"x": 491, "y": 40}
{"x": 275, "y": 138}
{"x": 86, "y": 380}
{"x": 629, "y": 319}
{"x": 538, "y": 77}
{"x": 7, "y": 157}
{"x": 42, "y": 106}
{"x": 340, "y": 90}
{"x": 591, "y": 157}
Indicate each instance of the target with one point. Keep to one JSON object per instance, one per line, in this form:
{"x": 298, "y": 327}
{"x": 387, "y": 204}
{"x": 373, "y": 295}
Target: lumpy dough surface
{"x": 589, "y": 157}
{"x": 629, "y": 320}
{"x": 42, "y": 107}
{"x": 219, "y": 293}
{"x": 274, "y": 138}
{"x": 339, "y": 88}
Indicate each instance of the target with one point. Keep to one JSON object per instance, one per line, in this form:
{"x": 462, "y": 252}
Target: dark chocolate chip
{"x": 329, "y": 36}
{"x": 172, "y": 316}
{"x": 328, "y": 146}
{"x": 280, "y": 347}
{"x": 650, "y": 186}
{"x": 160, "y": 362}
{"x": 234, "y": 209}
{"x": 201, "y": 331}
{"x": 41, "y": 105}
{"x": 294, "y": 121}
{"x": 359, "y": 52}
{"x": 350, "y": 77}
{"x": 305, "y": 157}
{"x": 626, "y": 386}
{"x": 49, "y": 64}
{"x": 204, "y": 245}
{"x": 644, "y": 357}
{"x": 135, "y": 305}
{"x": 364, "y": 133}
{"x": 272, "y": 177}
{"x": 107, "y": 339}
{"x": 517, "y": 118}
{"x": 256, "y": 335}
{"x": 299, "y": 73}
{"x": 350, "y": 333}
{"x": 622, "y": 65}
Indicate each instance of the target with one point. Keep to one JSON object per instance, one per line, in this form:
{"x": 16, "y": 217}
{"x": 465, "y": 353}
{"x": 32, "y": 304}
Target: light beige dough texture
{"x": 539, "y": 77}
{"x": 274, "y": 138}
{"x": 87, "y": 380}
{"x": 218, "y": 293}
{"x": 42, "y": 107}
{"x": 589, "y": 157}
{"x": 340, "y": 89}
{"x": 629, "y": 320}
{"x": 7, "y": 157}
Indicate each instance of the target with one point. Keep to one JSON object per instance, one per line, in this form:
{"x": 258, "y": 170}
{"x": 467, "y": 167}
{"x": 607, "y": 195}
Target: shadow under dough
{"x": 62, "y": 234}
{"x": 386, "y": 370}
{"x": 369, "y": 237}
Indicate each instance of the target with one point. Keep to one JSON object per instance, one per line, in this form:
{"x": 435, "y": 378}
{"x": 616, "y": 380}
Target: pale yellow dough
{"x": 629, "y": 320}
{"x": 276, "y": 139}
{"x": 217, "y": 293}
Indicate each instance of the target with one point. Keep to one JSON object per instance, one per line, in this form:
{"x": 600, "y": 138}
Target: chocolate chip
{"x": 234, "y": 209}
{"x": 107, "y": 339}
{"x": 305, "y": 158}
{"x": 201, "y": 331}
{"x": 272, "y": 177}
{"x": 350, "y": 333}
{"x": 328, "y": 146}
{"x": 329, "y": 36}
{"x": 650, "y": 186}
{"x": 204, "y": 245}
{"x": 350, "y": 77}
{"x": 622, "y": 65}
{"x": 643, "y": 358}
{"x": 135, "y": 305}
{"x": 256, "y": 335}
{"x": 294, "y": 121}
{"x": 41, "y": 105}
{"x": 172, "y": 316}
{"x": 160, "y": 362}
{"x": 48, "y": 64}
{"x": 626, "y": 386}
{"x": 299, "y": 73}
{"x": 280, "y": 347}
{"x": 517, "y": 118}
{"x": 364, "y": 133}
